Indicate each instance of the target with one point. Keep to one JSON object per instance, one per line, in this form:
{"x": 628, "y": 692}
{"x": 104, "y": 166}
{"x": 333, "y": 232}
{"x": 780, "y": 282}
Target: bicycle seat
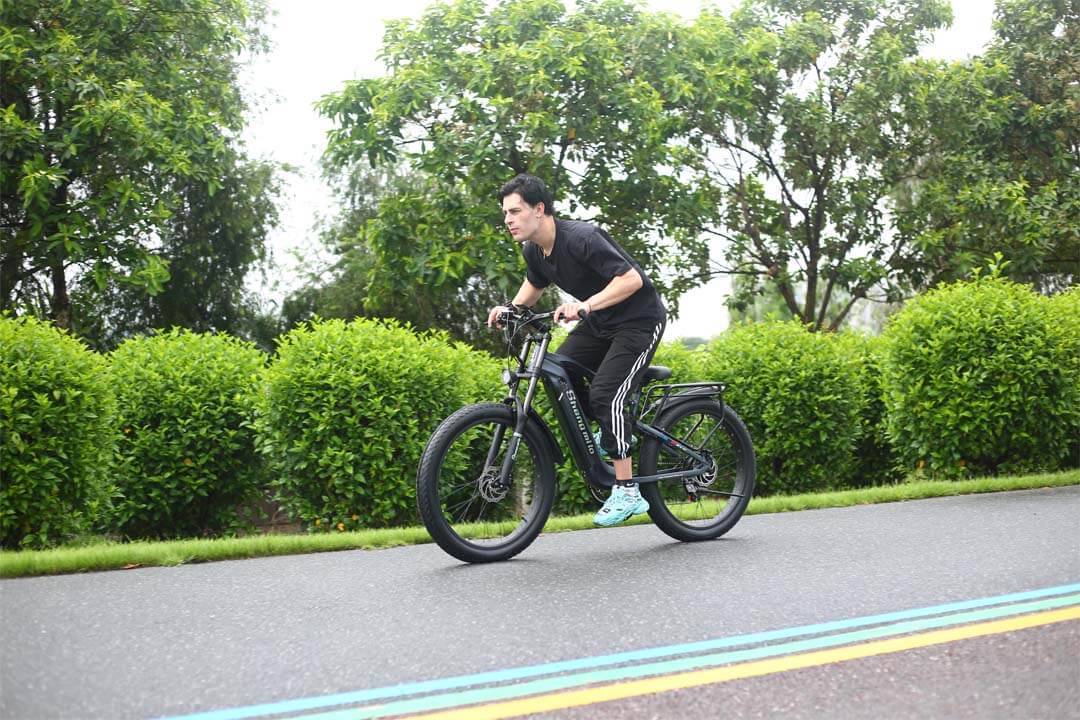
{"x": 655, "y": 372}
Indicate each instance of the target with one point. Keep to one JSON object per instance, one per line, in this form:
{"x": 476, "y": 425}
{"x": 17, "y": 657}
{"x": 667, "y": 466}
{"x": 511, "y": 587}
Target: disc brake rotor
{"x": 490, "y": 488}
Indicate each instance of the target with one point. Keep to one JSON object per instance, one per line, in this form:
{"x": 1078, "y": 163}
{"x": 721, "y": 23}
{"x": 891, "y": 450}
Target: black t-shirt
{"x": 583, "y": 261}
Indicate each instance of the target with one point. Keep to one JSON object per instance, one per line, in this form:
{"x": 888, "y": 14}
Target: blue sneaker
{"x": 621, "y": 505}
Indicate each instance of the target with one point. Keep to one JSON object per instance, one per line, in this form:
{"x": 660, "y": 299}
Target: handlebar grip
{"x": 581, "y": 314}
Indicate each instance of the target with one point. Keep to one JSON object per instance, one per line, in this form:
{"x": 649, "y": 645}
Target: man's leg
{"x": 586, "y": 348}
{"x": 616, "y": 380}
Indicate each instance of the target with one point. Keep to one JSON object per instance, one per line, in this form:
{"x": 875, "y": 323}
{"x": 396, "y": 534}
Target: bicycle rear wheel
{"x": 705, "y": 507}
{"x": 457, "y": 491}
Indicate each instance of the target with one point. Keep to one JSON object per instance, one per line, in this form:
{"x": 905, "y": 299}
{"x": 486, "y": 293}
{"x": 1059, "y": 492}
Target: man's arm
{"x": 620, "y": 288}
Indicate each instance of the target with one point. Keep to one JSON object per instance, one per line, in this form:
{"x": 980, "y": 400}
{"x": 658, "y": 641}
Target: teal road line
{"x": 698, "y": 662}
{"x": 303, "y": 705}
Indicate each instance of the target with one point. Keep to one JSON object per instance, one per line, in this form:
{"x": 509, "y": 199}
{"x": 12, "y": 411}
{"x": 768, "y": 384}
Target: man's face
{"x": 522, "y": 219}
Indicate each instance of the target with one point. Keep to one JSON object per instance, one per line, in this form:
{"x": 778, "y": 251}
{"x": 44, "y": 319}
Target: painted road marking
{"x": 621, "y": 691}
{"x": 442, "y": 685}
{"x": 545, "y": 686}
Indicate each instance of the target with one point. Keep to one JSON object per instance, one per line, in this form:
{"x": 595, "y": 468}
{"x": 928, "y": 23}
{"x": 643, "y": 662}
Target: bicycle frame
{"x": 536, "y": 365}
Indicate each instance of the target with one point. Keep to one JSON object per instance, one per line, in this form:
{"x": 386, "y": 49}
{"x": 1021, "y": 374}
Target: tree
{"x": 110, "y": 112}
{"x": 779, "y": 131}
{"x": 211, "y": 242}
{"x": 796, "y": 109}
{"x": 1002, "y": 171}
{"x": 474, "y": 97}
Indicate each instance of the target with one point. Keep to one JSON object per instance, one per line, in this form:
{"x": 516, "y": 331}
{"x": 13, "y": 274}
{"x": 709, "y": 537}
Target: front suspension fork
{"x": 522, "y": 409}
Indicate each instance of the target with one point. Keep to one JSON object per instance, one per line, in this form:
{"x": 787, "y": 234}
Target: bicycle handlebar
{"x": 521, "y": 316}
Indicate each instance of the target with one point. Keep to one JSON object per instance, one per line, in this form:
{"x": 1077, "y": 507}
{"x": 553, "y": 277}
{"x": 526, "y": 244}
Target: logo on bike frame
{"x": 582, "y": 424}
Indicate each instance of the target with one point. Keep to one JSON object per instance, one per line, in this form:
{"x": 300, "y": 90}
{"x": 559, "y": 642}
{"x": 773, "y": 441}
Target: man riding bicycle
{"x": 623, "y": 323}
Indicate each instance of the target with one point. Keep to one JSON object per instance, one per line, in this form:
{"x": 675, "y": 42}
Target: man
{"x": 623, "y": 325}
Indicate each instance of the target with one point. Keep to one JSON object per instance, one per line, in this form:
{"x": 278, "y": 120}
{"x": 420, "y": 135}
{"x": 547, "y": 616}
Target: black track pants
{"x": 619, "y": 359}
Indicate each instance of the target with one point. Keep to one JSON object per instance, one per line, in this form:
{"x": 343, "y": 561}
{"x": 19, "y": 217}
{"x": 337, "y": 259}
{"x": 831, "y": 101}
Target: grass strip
{"x": 117, "y": 556}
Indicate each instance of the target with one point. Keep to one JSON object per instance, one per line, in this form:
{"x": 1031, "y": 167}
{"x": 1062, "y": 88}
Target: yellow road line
{"x": 679, "y": 681}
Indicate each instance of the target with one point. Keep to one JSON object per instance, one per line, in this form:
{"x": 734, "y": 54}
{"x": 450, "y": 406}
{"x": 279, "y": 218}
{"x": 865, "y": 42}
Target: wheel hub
{"x": 490, "y": 488}
{"x": 694, "y": 484}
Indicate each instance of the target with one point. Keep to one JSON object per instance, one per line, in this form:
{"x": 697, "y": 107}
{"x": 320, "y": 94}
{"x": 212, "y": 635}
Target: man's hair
{"x": 531, "y": 189}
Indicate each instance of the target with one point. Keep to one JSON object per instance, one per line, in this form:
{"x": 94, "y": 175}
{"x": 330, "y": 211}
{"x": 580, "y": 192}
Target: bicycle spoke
{"x": 708, "y": 437}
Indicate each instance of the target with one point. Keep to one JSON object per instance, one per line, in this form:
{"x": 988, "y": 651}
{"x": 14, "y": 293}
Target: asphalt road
{"x": 167, "y": 641}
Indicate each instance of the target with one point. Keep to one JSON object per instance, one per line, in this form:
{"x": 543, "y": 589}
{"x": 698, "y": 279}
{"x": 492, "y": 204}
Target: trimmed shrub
{"x": 981, "y": 378}
{"x": 56, "y": 434}
{"x": 875, "y": 462}
{"x": 801, "y": 397}
{"x": 348, "y": 410}
{"x": 1065, "y": 310}
{"x": 186, "y": 458}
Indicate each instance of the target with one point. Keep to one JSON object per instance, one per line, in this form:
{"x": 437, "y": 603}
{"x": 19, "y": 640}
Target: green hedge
{"x": 687, "y": 364}
{"x": 347, "y": 411}
{"x": 982, "y": 378}
{"x": 186, "y": 459}
{"x": 801, "y": 396}
{"x": 56, "y": 434}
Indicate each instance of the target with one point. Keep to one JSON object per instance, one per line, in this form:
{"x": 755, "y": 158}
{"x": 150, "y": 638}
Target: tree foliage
{"x": 355, "y": 282}
{"x": 1001, "y": 172}
{"x": 111, "y": 114}
{"x": 779, "y": 131}
{"x": 211, "y": 242}
{"x": 473, "y": 97}
{"x": 797, "y": 109}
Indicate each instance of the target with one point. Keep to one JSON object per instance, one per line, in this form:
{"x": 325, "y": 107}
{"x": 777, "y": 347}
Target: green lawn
{"x": 116, "y": 556}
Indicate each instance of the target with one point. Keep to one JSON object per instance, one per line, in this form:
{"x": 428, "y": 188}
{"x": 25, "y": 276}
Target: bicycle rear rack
{"x": 655, "y": 398}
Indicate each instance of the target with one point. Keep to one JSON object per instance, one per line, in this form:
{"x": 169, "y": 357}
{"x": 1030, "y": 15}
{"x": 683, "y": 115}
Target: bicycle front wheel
{"x": 468, "y": 512}
{"x": 704, "y": 507}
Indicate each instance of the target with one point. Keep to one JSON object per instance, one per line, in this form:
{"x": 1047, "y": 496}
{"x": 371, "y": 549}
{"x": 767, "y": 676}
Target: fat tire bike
{"x": 487, "y": 478}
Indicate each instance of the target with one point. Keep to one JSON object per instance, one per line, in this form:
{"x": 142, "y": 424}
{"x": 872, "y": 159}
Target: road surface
{"x": 828, "y": 613}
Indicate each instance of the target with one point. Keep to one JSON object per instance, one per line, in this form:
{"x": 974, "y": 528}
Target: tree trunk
{"x": 9, "y": 276}
{"x": 59, "y": 303}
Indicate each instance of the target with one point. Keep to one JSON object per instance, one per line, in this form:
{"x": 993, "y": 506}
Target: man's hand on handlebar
{"x": 495, "y": 313}
{"x": 571, "y": 311}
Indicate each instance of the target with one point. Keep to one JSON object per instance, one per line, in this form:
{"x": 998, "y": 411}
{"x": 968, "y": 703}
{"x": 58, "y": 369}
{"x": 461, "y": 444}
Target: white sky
{"x": 319, "y": 44}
